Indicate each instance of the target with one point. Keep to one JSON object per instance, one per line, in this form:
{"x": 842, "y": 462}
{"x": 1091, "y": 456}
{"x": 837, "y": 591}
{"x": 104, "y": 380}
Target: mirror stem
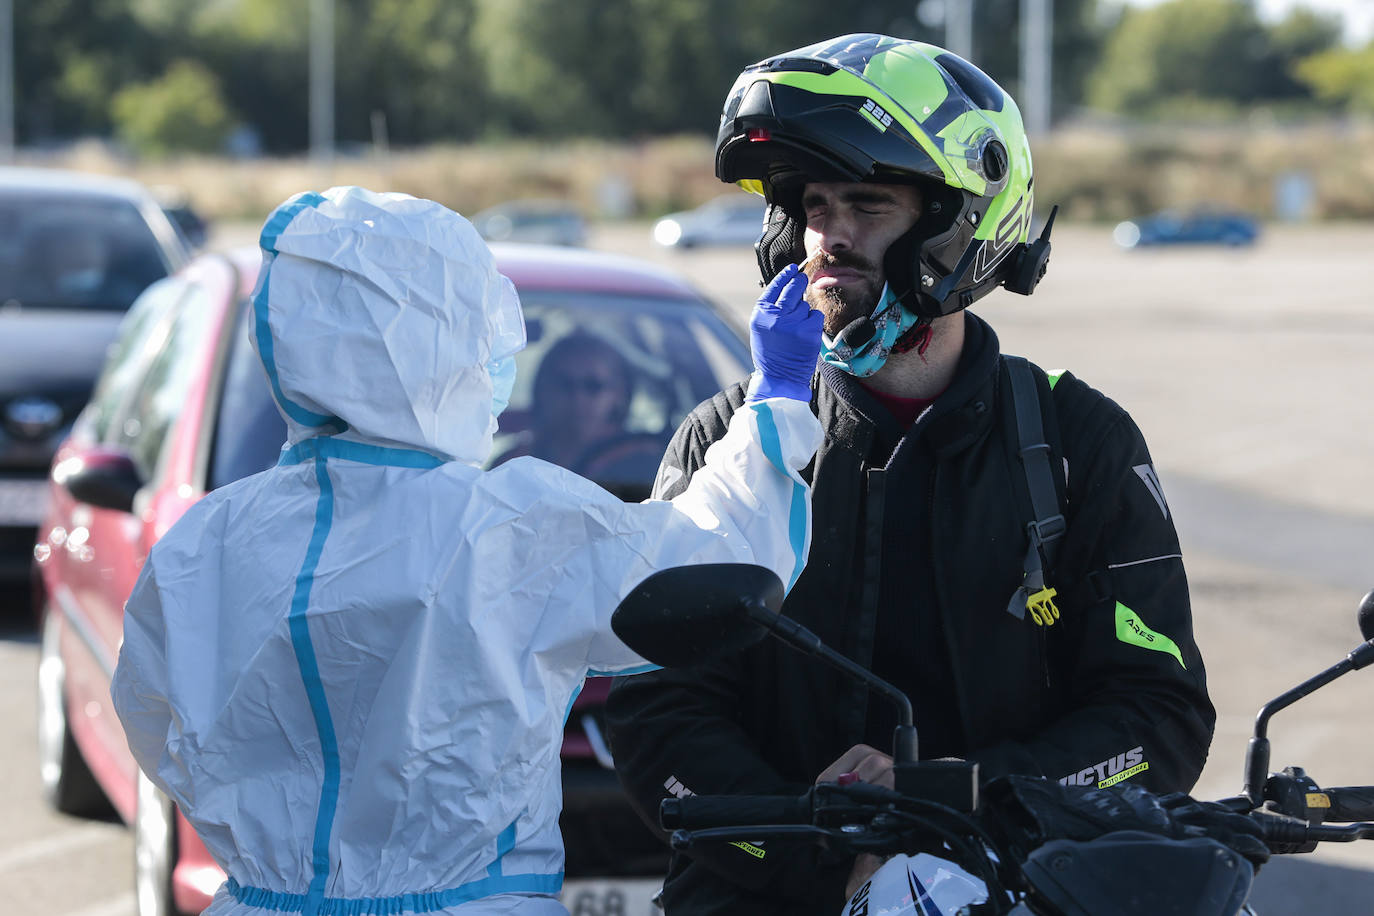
{"x": 1257, "y": 753}
{"x": 802, "y": 639}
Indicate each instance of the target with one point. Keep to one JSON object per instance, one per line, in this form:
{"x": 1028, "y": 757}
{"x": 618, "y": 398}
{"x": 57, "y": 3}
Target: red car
{"x": 182, "y": 407}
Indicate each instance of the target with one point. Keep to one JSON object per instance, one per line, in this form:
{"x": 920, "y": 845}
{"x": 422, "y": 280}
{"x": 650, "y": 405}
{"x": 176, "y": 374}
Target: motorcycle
{"x": 1015, "y": 846}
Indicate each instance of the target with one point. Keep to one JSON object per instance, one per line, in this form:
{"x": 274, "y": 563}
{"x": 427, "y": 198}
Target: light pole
{"x": 6, "y": 80}
{"x": 1037, "y": 41}
{"x": 321, "y": 81}
{"x": 959, "y": 27}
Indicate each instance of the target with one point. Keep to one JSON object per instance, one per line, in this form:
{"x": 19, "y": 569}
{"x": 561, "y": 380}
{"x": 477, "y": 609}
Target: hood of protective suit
{"x": 379, "y": 319}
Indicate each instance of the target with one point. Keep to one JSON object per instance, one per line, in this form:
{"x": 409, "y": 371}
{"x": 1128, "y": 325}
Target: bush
{"x": 182, "y": 112}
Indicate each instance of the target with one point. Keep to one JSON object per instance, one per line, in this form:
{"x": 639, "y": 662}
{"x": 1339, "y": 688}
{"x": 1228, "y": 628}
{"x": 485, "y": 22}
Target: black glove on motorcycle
{"x": 1238, "y": 831}
{"x": 1028, "y": 811}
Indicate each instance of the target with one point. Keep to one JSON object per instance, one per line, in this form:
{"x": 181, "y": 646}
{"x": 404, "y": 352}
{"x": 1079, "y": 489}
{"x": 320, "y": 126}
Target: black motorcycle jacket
{"x": 918, "y": 542}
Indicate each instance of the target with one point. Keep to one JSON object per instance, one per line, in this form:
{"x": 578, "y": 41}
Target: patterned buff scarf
{"x": 895, "y": 331}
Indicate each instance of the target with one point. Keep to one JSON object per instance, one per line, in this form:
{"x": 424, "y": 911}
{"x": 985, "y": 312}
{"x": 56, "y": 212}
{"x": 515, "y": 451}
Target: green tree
{"x": 259, "y": 49}
{"x": 630, "y": 67}
{"x": 1216, "y": 52}
{"x": 413, "y": 61}
{"x": 69, "y": 56}
{"x": 1204, "y": 49}
{"x": 1302, "y": 34}
{"x": 1078, "y": 34}
{"x": 1343, "y": 77}
{"x": 182, "y": 111}
{"x": 558, "y": 67}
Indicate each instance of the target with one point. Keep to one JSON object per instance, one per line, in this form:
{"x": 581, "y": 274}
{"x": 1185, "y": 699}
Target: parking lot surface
{"x": 1248, "y": 370}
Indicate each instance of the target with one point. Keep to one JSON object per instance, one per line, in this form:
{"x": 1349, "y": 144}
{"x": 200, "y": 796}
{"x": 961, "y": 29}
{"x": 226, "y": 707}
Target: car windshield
{"x": 600, "y": 388}
{"x": 605, "y": 380}
{"x": 73, "y": 252}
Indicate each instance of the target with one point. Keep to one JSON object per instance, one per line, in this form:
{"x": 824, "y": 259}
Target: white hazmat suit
{"x": 352, "y": 671}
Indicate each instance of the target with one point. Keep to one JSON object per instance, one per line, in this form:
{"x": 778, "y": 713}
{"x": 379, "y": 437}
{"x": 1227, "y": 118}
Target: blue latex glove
{"x": 785, "y": 338}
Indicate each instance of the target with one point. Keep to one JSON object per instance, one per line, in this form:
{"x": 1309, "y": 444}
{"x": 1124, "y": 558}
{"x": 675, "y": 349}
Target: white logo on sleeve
{"x": 1111, "y": 771}
{"x": 669, "y": 475}
{"x": 1148, "y": 477}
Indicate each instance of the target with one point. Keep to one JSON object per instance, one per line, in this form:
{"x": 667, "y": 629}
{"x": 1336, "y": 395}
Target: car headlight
{"x": 1126, "y": 234}
{"x": 667, "y": 232}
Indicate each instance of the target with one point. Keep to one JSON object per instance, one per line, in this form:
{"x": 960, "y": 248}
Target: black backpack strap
{"x": 1048, "y": 527}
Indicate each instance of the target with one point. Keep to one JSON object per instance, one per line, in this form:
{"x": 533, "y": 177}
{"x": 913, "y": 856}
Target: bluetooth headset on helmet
{"x": 886, "y": 110}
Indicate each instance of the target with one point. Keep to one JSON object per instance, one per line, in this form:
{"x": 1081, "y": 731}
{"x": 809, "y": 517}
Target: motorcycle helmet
{"x": 887, "y": 110}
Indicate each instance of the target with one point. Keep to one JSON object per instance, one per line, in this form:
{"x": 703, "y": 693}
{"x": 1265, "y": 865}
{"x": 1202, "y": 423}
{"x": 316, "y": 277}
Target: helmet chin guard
{"x": 781, "y": 242}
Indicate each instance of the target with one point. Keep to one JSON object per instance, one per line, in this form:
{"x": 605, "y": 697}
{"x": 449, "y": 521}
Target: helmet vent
{"x": 994, "y": 162}
{"x": 757, "y": 102}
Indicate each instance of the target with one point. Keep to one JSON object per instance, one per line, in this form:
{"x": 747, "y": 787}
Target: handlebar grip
{"x": 1350, "y": 803}
{"x": 700, "y": 811}
{"x": 1285, "y": 835}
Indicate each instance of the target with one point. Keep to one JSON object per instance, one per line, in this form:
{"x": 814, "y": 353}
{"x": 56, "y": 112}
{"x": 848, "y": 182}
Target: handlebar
{"x": 1350, "y": 803}
{"x": 1289, "y": 835}
{"x": 699, "y": 811}
{"x": 718, "y": 817}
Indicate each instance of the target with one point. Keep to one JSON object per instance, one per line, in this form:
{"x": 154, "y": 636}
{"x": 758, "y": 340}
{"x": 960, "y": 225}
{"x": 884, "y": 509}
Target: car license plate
{"x": 611, "y": 896}
{"x": 23, "y": 502}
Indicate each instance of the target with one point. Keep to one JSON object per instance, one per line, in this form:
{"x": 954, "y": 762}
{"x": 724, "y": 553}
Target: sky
{"x": 1358, "y": 14}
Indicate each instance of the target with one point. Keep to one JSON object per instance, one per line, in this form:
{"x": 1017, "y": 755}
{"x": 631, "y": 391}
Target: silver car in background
{"x": 732, "y": 219}
{"x": 75, "y": 251}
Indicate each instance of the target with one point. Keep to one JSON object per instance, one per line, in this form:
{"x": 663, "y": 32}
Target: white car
{"x": 732, "y": 219}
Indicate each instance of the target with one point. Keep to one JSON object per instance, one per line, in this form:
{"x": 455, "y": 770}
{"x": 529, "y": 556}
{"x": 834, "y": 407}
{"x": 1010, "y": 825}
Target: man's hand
{"x": 785, "y": 338}
{"x": 862, "y": 763}
{"x": 865, "y": 864}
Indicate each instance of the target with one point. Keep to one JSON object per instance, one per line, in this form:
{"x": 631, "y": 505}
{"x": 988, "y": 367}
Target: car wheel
{"x": 155, "y": 850}
{"x": 67, "y": 781}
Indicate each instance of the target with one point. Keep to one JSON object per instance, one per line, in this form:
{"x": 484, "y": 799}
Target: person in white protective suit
{"x": 351, "y": 672}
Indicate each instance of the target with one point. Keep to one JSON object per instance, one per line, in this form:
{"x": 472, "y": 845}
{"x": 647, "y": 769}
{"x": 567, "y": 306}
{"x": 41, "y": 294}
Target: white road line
{"x": 61, "y": 844}
{"x": 123, "y": 905}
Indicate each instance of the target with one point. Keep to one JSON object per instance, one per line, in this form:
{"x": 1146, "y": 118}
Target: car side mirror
{"x": 104, "y": 478}
{"x": 688, "y": 615}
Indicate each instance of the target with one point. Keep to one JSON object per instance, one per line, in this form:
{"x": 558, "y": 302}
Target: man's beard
{"x": 842, "y": 306}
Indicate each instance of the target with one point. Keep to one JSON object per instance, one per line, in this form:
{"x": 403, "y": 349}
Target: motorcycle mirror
{"x": 687, "y": 615}
{"x": 1257, "y": 752}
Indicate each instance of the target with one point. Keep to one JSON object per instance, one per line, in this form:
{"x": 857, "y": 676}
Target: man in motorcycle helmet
{"x": 1038, "y": 619}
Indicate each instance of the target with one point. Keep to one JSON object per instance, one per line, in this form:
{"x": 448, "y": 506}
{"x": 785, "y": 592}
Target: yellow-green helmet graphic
{"x": 887, "y": 110}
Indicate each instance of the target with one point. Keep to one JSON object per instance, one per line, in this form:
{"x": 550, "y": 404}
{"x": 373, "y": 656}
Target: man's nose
{"x": 835, "y": 234}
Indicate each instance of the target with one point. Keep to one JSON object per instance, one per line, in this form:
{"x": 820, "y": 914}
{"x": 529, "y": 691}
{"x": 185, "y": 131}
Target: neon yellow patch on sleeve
{"x": 755, "y": 851}
{"x": 1131, "y": 629}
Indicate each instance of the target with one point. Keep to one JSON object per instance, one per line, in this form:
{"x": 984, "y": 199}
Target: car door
{"x": 65, "y": 551}
{"x": 105, "y": 548}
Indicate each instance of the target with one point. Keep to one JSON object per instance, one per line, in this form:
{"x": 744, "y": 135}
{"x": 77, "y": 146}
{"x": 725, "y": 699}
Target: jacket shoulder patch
{"x": 1147, "y": 475}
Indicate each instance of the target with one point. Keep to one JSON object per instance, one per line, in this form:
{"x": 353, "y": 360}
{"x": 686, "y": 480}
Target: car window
{"x": 141, "y": 334}
{"x": 605, "y": 381}
{"x": 162, "y": 390}
{"x": 75, "y": 252}
{"x": 249, "y": 431}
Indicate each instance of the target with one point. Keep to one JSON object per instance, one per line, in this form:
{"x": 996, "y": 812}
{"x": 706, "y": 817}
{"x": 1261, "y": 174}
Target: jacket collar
{"x": 958, "y": 418}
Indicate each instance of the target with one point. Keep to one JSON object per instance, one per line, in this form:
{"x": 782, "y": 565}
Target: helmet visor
{"x": 865, "y": 108}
